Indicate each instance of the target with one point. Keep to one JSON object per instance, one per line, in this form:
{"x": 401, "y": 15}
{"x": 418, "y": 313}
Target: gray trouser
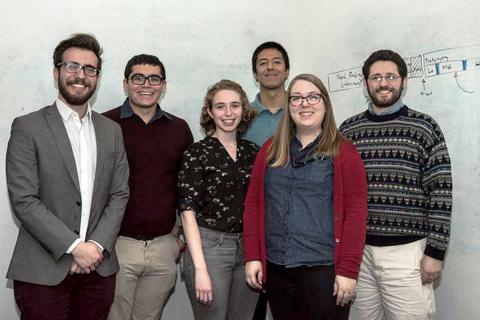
{"x": 232, "y": 298}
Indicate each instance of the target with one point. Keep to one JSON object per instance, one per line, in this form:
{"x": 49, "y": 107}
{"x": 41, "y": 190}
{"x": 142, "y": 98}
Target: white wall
{"x": 201, "y": 42}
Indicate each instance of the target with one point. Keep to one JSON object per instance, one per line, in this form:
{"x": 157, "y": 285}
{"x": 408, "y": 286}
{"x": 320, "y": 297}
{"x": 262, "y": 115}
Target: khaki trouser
{"x": 390, "y": 287}
{"x": 146, "y": 278}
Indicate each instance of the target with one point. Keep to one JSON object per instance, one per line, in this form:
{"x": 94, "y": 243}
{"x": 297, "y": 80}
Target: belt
{"x": 142, "y": 238}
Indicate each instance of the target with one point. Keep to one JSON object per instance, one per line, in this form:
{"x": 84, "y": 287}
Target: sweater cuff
{"x": 251, "y": 250}
{"x": 435, "y": 253}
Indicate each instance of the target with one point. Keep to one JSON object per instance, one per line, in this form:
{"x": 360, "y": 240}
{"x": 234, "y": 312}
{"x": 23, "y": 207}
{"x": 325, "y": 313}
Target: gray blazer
{"x": 45, "y": 195}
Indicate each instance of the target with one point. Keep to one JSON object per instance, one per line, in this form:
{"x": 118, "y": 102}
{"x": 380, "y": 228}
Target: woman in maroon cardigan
{"x": 305, "y": 211}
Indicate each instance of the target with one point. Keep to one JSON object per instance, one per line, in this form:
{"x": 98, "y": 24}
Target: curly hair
{"x": 248, "y": 114}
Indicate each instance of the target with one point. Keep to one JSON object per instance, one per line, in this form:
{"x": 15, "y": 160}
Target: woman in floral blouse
{"x": 212, "y": 183}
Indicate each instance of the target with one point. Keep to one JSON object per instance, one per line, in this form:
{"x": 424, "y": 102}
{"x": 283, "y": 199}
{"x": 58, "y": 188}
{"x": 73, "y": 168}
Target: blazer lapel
{"x": 55, "y": 122}
{"x": 100, "y": 136}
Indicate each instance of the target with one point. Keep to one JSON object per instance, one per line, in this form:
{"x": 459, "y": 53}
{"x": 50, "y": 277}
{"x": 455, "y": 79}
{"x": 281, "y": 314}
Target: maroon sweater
{"x": 154, "y": 152}
{"x": 350, "y": 211}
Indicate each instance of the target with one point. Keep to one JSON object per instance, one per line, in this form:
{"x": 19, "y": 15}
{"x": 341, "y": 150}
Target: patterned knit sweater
{"x": 409, "y": 178}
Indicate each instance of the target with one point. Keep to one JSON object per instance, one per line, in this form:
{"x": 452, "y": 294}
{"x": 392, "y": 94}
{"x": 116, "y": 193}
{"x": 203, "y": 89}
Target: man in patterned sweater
{"x": 410, "y": 197}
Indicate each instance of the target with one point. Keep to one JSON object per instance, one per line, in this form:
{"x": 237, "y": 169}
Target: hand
{"x": 430, "y": 269}
{"x": 203, "y": 287}
{"x": 87, "y": 256}
{"x": 176, "y": 230}
{"x": 181, "y": 246}
{"x": 75, "y": 269}
{"x": 254, "y": 274}
{"x": 344, "y": 288}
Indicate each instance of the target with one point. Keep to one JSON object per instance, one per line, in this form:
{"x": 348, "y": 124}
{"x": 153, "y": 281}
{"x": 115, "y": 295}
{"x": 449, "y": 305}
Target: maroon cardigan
{"x": 350, "y": 211}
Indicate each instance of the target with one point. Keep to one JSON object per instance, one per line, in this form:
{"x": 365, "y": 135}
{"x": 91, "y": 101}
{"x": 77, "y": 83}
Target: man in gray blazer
{"x": 67, "y": 177}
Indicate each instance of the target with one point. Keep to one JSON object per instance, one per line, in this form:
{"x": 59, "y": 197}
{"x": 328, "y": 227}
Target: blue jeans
{"x": 232, "y": 298}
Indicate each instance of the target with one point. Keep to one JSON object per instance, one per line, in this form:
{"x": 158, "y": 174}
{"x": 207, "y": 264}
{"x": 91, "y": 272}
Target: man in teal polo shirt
{"x": 270, "y": 66}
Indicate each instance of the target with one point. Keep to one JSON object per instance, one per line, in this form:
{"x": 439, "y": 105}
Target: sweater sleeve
{"x": 437, "y": 185}
{"x": 253, "y": 209}
{"x": 354, "y": 183}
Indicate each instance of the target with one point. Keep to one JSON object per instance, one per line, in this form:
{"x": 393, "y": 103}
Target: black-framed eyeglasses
{"x": 153, "y": 79}
{"x": 389, "y": 77}
{"x": 297, "y": 101}
{"x": 74, "y": 67}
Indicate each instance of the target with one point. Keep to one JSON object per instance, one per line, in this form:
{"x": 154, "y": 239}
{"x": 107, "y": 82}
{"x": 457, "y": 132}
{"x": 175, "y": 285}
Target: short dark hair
{"x": 81, "y": 41}
{"x": 269, "y": 45}
{"x": 385, "y": 55}
{"x": 144, "y": 59}
{"x": 207, "y": 123}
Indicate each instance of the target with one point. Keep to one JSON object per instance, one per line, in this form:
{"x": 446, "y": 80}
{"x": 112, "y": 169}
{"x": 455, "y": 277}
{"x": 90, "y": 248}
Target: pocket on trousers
{"x": 209, "y": 240}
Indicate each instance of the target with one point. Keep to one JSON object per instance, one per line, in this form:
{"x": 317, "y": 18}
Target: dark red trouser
{"x": 77, "y": 297}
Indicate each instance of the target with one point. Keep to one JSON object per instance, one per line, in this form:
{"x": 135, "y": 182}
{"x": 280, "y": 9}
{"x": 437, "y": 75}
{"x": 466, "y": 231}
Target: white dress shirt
{"x": 81, "y": 134}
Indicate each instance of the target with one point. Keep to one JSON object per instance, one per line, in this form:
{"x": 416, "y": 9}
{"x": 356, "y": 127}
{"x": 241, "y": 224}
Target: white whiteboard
{"x": 201, "y": 42}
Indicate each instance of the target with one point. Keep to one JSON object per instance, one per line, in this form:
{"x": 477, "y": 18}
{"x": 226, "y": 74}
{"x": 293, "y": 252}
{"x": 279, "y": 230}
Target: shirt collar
{"x": 300, "y": 157}
{"x": 66, "y": 112}
{"x": 127, "y": 112}
{"x": 256, "y": 104}
{"x": 389, "y": 110}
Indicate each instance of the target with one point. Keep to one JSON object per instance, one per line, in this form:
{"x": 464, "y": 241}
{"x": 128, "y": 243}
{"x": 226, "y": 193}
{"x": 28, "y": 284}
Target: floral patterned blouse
{"x": 213, "y": 185}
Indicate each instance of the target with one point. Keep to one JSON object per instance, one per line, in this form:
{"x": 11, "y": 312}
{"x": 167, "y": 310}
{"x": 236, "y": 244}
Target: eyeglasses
{"x": 153, "y": 79}
{"x": 297, "y": 101}
{"x": 74, "y": 67}
{"x": 389, "y": 77}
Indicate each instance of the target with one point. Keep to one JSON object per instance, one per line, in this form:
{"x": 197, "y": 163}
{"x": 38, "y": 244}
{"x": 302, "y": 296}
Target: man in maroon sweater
{"x": 147, "y": 246}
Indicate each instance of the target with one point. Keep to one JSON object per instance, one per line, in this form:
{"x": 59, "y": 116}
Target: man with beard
{"x": 147, "y": 244}
{"x": 410, "y": 198}
{"x": 67, "y": 177}
{"x": 270, "y": 66}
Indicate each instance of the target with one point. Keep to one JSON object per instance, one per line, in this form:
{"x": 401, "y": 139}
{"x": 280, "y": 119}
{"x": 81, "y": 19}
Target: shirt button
{"x": 337, "y": 240}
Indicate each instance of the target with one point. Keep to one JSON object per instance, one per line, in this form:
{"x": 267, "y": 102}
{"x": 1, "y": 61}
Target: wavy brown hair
{"x": 248, "y": 113}
{"x": 78, "y": 40}
{"x": 278, "y": 153}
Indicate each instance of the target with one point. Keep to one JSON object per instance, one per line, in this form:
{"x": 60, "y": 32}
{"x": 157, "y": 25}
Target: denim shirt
{"x": 299, "y": 209}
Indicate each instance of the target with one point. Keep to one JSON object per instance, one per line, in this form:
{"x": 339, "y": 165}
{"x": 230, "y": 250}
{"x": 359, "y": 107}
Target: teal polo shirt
{"x": 264, "y": 124}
